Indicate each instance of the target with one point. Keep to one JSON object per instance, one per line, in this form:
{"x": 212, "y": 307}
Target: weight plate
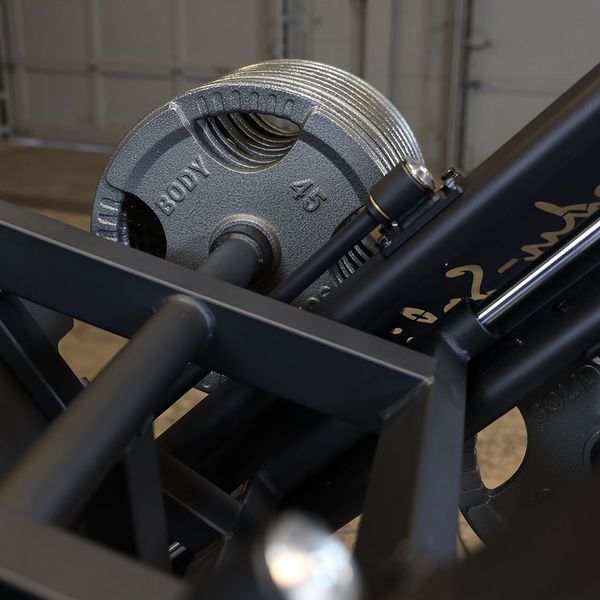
{"x": 289, "y": 145}
{"x": 563, "y": 445}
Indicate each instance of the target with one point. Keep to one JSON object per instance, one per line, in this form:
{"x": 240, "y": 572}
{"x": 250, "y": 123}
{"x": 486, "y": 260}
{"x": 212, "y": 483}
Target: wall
{"x": 86, "y": 70}
{"x": 466, "y": 74}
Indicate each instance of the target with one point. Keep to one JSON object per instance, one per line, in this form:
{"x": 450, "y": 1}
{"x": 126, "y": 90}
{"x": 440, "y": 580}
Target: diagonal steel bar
{"x": 257, "y": 340}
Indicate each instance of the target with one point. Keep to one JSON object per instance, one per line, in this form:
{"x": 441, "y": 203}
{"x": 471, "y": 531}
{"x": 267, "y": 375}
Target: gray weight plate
{"x": 348, "y": 96}
{"x": 563, "y": 445}
{"x": 219, "y": 154}
{"x": 374, "y": 105}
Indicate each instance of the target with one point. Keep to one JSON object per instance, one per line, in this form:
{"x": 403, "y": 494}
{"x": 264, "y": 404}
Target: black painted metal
{"x": 181, "y": 385}
{"x": 409, "y": 519}
{"x": 551, "y": 555}
{"x": 559, "y": 339}
{"x": 45, "y": 563}
{"x": 117, "y": 287}
{"x": 397, "y": 194}
{"x": 354, "y": 231}
{"x": 552, "y": 159}
{"x": 199, "y": 512}
{"x": 34, "y": 358}
{"x": 176, "y": 316}
{"x": 214, "y": 421}
{"x": 61, "y": 471}
{"x": 239, "y": 257}
{"x": 21, "y": 420}
{"x": 127, "y": 501}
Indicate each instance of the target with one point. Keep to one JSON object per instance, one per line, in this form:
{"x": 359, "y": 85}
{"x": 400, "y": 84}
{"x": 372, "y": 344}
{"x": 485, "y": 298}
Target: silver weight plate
{"x": 291, "y": 146}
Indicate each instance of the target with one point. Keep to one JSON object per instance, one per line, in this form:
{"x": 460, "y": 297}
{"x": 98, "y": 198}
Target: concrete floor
{"x": 61, "y": 185}
{"x": 48, "y": 177}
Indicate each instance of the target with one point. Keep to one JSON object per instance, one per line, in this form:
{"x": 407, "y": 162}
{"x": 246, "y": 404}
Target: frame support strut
{"x": 409, "y": 523}
{"x": 58, "y": 475}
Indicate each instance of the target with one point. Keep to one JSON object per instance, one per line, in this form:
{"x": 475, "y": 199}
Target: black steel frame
{"x": 92, "y": 487}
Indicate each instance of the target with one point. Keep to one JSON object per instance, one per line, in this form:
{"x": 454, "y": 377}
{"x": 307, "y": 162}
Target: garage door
{"x": 85, "y": 70}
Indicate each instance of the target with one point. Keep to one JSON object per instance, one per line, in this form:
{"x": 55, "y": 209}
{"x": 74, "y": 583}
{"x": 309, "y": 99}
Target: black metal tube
{"x": 306, "y": 453}
{"x": 215, "y": 508}
{"x": 215, "y": 416}
{"x": 557, "y": 136}
{"x": 59, "y": 473}
{"x": 497, "y": 187}
{"x": 235, "y": 261}
{"x": 188, "y": 378}
{"x": 551, "y": 140}
{"x": 492, "y": 393}
{"x": 308, "y": 441}
{"x": 402, "y": 190}
{"x": 214, "y": 420}
{"x": 392, "y": 197}
{"x": 324, "y": 257}
{"x": 503, "y": 386}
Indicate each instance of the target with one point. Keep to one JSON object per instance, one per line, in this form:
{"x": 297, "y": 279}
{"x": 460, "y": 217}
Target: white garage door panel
{"x": 495, "y": 117}
{"x": 127, "y": 100}
{"x": 421, "y": 100}
{"x": 49, "y": 30}
{"x": 87, "y": 70}
{"x": 329, "y": 31}
{"x": 337, "y": 34}
{"x": 418, "y": 69}
{"x": 218, "y": 35}
{"x": 134, "y": 32}
{"x": 524, "y": 55}
{"x": 534, "y": 45}
{"x": 59, "y": 100}
{"x": 118, "y": 59}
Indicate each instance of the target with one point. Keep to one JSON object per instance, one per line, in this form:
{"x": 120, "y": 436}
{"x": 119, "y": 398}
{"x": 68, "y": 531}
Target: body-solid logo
{"x": 181, "y": 186}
